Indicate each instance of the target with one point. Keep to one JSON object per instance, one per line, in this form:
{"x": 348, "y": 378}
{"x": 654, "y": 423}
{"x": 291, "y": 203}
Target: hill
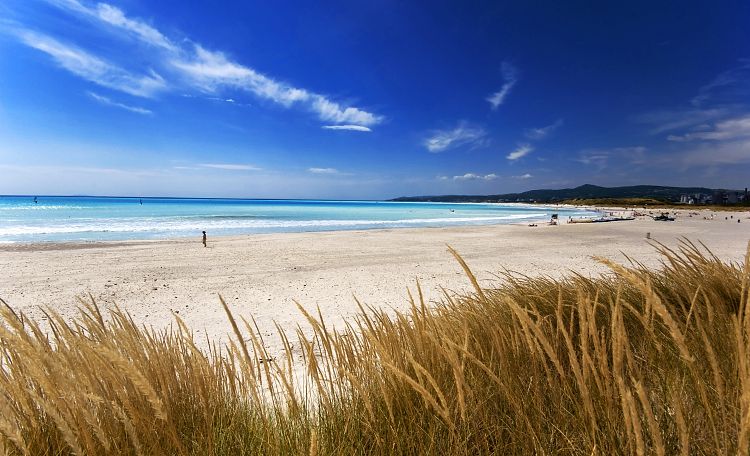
{"x": 583, "y": 192}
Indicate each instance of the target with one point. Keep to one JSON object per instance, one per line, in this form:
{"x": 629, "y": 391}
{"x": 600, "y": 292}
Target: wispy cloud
{"x": 462, "y": 134}
{"x": 115, "y": 17}
{"x": 108, "y": 102}
{"x": 711, "y": 154}
{"x": 472, "y": 176}
{"x": 542, "y": 132}
{"x": 211, "y": 71}
{"x": 203, "y": 69}
{"x": 230, "y": 166}
{"x": 510, "y": 77}
{"x": 721, "y": 100}
{"x": 523, "y": 176}
{"x": 600, "y": 158}
{"x": 675, "y": 119}
{"x": 729, "y": 129}
{"x": 346, "y": 127}
{"x": 520, "y": 152}
{"x": 731, "y": 85}
{"x": 92, "y": 68}
{"x": 323, "y": 170}
{"x": 71, "y": 169}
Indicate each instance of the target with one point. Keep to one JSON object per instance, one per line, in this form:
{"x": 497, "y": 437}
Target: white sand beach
{"x": 262, "y": 275}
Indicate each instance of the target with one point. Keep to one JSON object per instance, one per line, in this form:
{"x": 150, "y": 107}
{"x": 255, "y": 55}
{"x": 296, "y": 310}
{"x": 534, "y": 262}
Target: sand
{"x": 260, "y": 276}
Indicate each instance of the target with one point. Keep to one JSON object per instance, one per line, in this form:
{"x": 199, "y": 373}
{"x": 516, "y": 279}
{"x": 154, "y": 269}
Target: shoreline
{"x": 15, "y": 246}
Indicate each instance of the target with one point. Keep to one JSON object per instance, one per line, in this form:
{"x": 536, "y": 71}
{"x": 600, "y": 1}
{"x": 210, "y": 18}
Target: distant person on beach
{"x": 204, "y": 239}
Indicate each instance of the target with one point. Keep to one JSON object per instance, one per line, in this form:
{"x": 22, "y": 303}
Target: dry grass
{"x": 636, "y": 362}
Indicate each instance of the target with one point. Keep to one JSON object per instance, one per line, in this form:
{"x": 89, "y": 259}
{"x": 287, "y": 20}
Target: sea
{"x": 25, "y": 219}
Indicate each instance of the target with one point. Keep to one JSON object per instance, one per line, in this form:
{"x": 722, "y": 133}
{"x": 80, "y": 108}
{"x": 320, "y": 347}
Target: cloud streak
{"x": 729, "y": 129}
{"x": 537, "y": 134}
{"x": 92, "y": 68}
{"x": 210, "y": 71}
{"x": 230, "y": 166}
{"x": 731, "y": 84}
{"x": 712, "y": 154}
{"x": 475, "y": 177}
{"x": 323, "y": 170}
{"x": 521, "y": 151}
{"x": 115, "y": 17}
{"x": 510, "y": 76}
{"x": 108, "y": 102}
{"x": 674, "y": 119}
{"x": 600, "y": 158}
{"x": 462, "y": 134}
{"x": 346, "y": 127}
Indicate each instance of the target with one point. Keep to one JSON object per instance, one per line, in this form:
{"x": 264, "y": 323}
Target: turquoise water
{"x": 96, "y": 219}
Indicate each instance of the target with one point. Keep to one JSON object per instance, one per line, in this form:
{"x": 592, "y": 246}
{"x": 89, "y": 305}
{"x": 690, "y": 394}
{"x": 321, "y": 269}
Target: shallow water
{"x": 109, "y": 218}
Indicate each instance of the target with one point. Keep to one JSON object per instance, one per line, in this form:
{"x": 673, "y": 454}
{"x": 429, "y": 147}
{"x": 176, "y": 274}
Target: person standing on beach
{"x": 204, "y": 239}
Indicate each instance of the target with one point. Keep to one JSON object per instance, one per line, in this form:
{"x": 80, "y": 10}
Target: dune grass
{"x": 638, "y": 361}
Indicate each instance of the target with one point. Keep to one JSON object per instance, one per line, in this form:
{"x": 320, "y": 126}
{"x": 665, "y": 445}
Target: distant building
{"x": 695, "y": 198}
{"x": 729, "y": 196}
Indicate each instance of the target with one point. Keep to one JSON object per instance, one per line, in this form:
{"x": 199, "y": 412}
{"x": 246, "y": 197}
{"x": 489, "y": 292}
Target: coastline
{"x": 262, "y": 275}
{"x": 82, "y": 221}
{"x": 12, "y": 246}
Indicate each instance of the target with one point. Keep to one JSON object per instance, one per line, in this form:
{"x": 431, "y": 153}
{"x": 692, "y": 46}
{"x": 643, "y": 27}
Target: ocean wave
{"x": 155, "y": 225}
{"x": 40, "y": 207}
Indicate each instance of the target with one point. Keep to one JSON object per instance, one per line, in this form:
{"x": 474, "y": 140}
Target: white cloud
{"x": 93, "y": 68}
{"x": 670, "y": 120}
{"x": 472, "y": 176}
{"x": 346, "y": 127}
{"x": 543, "y": 132}
{"x": 521, "y": 151}
{"x": 334, "y": 112}
{"x": 323, "y": 170}
{"x": 510, "y": 76}
{"x": 210, "y": 71}
{"x": 108, "y": 102}
{"x": 731, "y": 84}
{"x": 116, "y": 17}
{"x": 712, "y": 154}
{"x": 729, "y": 129}
{"x": 600, "y": 157}
{"x": 143, "y": 31}
{"x": 523, "y": 176}
{"x": 463, "y": 134}
{"x": 230, "y": 166}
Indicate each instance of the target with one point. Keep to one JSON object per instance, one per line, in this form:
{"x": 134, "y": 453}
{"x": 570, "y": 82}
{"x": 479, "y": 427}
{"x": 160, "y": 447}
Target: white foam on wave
{"x": 187, "y": 226}
{"x": 40, "y": 207}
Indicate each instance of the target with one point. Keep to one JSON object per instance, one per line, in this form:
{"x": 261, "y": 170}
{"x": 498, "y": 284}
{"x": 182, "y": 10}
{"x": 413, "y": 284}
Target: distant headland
{"x": 655, "y": 194}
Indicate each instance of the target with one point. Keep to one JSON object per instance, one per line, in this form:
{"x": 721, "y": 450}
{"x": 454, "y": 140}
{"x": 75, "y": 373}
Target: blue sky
{"x": 370, "y": 99}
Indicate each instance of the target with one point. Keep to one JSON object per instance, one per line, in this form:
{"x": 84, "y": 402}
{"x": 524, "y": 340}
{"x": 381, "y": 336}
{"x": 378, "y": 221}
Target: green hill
{"x": 584, "y": 192}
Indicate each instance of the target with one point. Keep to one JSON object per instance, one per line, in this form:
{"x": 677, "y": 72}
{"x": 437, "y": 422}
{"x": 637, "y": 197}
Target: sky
{"x": 370, "y": 100}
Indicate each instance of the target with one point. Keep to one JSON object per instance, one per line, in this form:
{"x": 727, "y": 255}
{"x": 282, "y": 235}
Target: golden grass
{"x": 652, "y": 203}
{"x": 635, "y": 362}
